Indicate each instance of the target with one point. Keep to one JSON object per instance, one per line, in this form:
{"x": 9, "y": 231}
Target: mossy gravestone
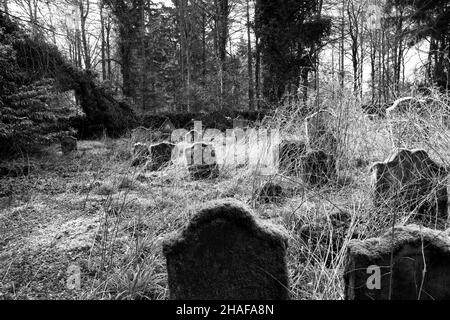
{"x": 420, "y": 263}
{"x": 290, "y": 156}
{"x": 409, "y": 120}
{"x": 325, "y": 237}
{"x": 201, "y": 161}
{"x": 141, "y": 154}
{"x": 320, "y": 130}
{"x": 409, "y": 181}
{"x": 142, "y": 135}
{"x": 161, "y": 155}
{"x": 225, "y": 253}
{"x": 68, "y": 145}
{"x": 270, "y": 192}
{"x": 319, "y": 168}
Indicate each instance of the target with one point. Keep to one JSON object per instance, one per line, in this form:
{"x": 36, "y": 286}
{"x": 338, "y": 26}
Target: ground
{"x": 91, "y": 210}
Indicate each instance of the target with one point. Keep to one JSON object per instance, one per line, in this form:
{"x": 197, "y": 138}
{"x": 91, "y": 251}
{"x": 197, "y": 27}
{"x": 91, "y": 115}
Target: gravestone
{"x": 193, "y": 136}
{"x": 375, "y": 110}
{"x": 142, "y": 135}
{"x": 410, "y": 181}
{"x": 141, "y": 154}
{"x": 408, "y": 120}
{"x": 407, "y": 104}
{"x": 270, "y": 192}
{"x": 161, "y": 155}
{"x": 290, "y": 156}
{"x": 166, "y": 129}
{"x": 320, "y": 128}
{"x": 420, "y": 263}
{"x": 201, "y": 161}
{"x": 226, "y": 253}
{"x": 68, "y": 145}
{"x": 240, "y": 123}
{"x": 319, "y": 168}
{"x": 240, "y": 147}
{"x": 325, "y": 236}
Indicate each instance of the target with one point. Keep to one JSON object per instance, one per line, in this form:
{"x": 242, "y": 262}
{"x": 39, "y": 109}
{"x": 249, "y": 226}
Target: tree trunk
{"x": 103, "y": 42}
{"x": 342, "y": 49}
{"x": 204, "y": 45}
{"x": 222, "y": 18}
{"x": 84, "y": 12}
{"x": 142, "y": 59}
{"x": 257, "y": 58}
{"x": 108, "y": 49}
{"x": 373, "y": 57}
{"x": 249, "y": 62}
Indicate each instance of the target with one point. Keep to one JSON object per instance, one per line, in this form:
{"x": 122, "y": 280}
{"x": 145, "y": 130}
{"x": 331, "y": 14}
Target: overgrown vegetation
{"x": 40, "y": 92}
{"x": 93, "y": 211}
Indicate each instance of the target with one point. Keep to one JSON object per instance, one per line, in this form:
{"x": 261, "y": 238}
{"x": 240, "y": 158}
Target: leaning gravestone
{"x": 201, "y": 161}
{"x": 141, "y": 154}
{"x": 160, "y": 155}
{"x": 320, "y": 132}
{"x": 319, "y": 168}
{"x": 420, "y": 263}
{"x": 409, "y": 181}
{"x": 270, "y": 192}
{"x": 68, "y": 145}
{"x": 225, "y": 253}
{"x": 324, "y": 238}
{"x": 290, "y": 156}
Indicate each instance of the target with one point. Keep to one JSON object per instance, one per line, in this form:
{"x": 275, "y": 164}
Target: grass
{"x": 94, "y": 211}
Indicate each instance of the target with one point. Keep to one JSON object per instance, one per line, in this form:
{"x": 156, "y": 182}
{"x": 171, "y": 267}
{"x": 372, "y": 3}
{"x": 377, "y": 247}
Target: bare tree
{"x": 251, "y": 92}
{"x": 103, "y": 39}
{"x": 84, "y": 8}
{"x": 30, "y": 8}
{"x": 354, "y": 13}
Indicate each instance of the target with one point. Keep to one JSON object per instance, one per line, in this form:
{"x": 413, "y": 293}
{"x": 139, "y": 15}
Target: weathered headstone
{"x": 410, "y": 181}
{"x": 68, "y": 144}
{"x": 319, "y": 168}
{"x": 320, "y": 130}
{"x": 407, "y": 104}
{"x": 375, "y": 110}
{"x": 193, "y": 136}
{"x": 225, "y": 253}
{"x": 166, "y": 129}
{"x": 167, "y": 126}
{"x": 408, "y": 119}
{"x": 142, "y": 135}
{"x": 326, "y": 236}
{"x": 240, "y": 123}
{"x": 201, "y": 161}
{"x": 290, "y": 156}
{"x": 270, "y": 192}
{"x": 407, "y": 263}
{"x": 141, "y": 154}
{"x": 161, "y": 155}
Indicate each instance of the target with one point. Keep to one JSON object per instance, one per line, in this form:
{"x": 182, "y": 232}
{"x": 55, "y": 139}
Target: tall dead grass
{"x": 132, "y": 266}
